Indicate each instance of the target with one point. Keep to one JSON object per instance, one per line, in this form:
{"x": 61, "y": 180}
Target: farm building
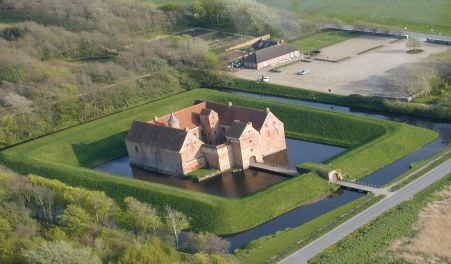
{"x": 205, "y": 135}
{"x": 270, "y": 56}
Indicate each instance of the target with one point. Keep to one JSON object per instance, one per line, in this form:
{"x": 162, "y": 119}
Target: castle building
{"x": 205, "y": 134}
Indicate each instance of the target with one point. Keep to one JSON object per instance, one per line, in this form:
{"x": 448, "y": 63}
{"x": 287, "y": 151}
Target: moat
{"x": 233, "y": 184}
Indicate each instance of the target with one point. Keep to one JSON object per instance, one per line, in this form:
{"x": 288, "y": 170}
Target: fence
{"x": 439, "y": 41}
{"x": 249, "y": 42}
{"x": 369, "y": 33}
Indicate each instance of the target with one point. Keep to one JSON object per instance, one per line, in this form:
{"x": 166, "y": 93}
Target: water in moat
{"x": 233, "y": 184}
{"x": 305, "y": 213}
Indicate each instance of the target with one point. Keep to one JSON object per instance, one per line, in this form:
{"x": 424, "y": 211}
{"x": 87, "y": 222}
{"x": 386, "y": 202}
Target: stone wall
{"x": 249, "y": 144}
{"x": 191, "y": 154}
{"x": 218, "y": 157}
{"x": 151, "y": 158}
{"x": 272, "y": 135}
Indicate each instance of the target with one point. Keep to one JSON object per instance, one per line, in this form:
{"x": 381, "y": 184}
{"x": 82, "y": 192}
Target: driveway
{"x": 362, "y": 74}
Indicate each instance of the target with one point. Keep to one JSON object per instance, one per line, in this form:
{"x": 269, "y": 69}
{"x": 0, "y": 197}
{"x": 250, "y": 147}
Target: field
{"x": 416, "y": 15}
{"x": 379, "y": 242}
{"x": 320, "y": 40}
{"x": 433, "y": 228}
{"x": 69, "y": 155}
{"x": 366, "y": 73}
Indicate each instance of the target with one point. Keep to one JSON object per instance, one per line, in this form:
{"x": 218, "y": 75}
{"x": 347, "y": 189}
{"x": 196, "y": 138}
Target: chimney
{"x": 155, "y": 118}
{"x": 267, "y": 109}
{"x": 249, "y": 123}
{"x": 230, "y": 104}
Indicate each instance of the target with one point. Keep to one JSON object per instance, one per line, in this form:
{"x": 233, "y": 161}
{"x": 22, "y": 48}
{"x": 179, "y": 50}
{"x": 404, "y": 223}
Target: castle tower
{"x": 210, "y": 120}
{"x": 173, "y": 121}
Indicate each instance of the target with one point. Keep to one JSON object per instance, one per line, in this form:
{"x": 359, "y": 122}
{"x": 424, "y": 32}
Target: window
{"x": 136, "y": 148}
{"x": 250, "y": 141}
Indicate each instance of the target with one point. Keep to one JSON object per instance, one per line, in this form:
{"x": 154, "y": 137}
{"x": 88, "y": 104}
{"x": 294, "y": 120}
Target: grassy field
{"x": 69, "y": 154}
{"x": 374, "y": 242}
{"x": 416, "y": 15}
{"x": 321, "y": 40}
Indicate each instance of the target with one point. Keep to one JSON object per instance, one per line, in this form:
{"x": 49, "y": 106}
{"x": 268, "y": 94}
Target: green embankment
{"x": 354, "y": 100}
{"x": 371, "y": 244}
{"x": 273, "y": 248}
{"x": 67, "y": 156}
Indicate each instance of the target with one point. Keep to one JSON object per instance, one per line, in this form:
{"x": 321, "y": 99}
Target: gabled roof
{"x": 261, "y": 44}
{"x": 188, "y": 117}
{"x": 237, "y": 129}
{"x": 206, "y": 112}
{"x": 270, "y": 53}
{"x": 156, "y": 135}
{"x": 228, "y": 114}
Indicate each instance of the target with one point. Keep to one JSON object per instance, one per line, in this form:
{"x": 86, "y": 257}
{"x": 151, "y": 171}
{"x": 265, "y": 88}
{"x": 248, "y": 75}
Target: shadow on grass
{"x": 101, "y": 151}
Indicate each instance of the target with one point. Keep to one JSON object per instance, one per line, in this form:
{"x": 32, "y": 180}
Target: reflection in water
{"x": 233, "y": 184}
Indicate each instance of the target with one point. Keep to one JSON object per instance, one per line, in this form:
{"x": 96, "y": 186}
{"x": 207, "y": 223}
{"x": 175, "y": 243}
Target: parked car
{"x": 316, "y": 52}
{"x": 303, "y": 71}
{"x": 235, "y": 64}
{"x": 264, "y": 79}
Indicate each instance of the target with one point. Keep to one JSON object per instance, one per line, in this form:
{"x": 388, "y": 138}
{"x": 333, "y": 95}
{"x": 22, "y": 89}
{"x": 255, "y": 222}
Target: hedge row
{"x": 354, "y": 100}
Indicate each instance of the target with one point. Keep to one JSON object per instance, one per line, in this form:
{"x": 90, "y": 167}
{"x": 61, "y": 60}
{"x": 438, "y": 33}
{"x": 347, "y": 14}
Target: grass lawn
{"x": 202, "y": 172}
{"x": 371, "y": 244}
{"x": 69, "y": 155}
{"x": 321, "y": 40}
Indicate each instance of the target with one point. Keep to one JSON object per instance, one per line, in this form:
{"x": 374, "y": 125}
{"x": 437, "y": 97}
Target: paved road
{"x": 345, "y": 229}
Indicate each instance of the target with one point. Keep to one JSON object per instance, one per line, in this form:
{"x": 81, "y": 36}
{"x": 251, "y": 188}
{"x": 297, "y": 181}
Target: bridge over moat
{"x": 274, "y": 168}
{"x": 362, "y": 187}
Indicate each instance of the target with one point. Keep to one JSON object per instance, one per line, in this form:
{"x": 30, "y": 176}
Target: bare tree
{"x": 413, "y": 43}
{"x": 177, "y": 221}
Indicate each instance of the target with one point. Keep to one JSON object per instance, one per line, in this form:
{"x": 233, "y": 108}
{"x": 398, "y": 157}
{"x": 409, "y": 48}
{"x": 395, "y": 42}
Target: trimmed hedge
{"x": 66, "y": 155}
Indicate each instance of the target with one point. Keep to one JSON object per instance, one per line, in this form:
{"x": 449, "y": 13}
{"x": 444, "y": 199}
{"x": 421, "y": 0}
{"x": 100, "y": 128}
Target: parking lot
{"x": 359, "y": 74}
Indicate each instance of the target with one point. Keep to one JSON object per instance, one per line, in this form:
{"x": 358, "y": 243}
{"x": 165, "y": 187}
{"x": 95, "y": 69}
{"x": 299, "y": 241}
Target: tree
{"x": 142, "y": 216}
{"x": 413, "y": 43}
{"x": 13, "y": 33}
{"x": 76, "y": 219}
{"x": 60, "y": 252}
{"x": 152, "y": 252}
{"x": 205, "y": 242}
{"x": 95, "y": 203}
{"x": 211, "y": 61}
{"x": 177, "y": 221}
